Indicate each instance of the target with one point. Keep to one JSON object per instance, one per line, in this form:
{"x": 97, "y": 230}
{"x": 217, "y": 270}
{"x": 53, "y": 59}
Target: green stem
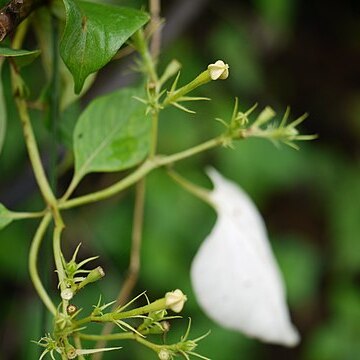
{"x": 108, "y": 337}
{"x": 141, "y": 45}
{"x": 154, "y": 133}
{"x": 135, "y": 257}
{"x": 110, "y": 317}
{"x": 149, "y": 344}
{"x": 34, "y": 154}
{"x": 24, "y": 215}
{"x": 154, "y": 86}
{"x": 194, "y": 189}
{"x": 111, "y": 190}
{"x": 58, "y": 260}
{"x": 33, "y": 256}
{"x": 74, "y": 183}
{"x": 28, "y": 130}
{"x": 136, "y": 240}
{"x": 32, "y": 147}
{"x": 166, "y": 160}
{"x": 139, "y": 173}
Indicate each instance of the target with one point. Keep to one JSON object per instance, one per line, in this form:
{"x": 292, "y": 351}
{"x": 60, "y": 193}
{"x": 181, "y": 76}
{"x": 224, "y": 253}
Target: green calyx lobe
{"x": 93, "y": 34}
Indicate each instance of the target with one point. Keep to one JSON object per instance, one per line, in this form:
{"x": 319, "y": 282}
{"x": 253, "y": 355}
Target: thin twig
{"x": 155, "y": 6}
{"x": 134, "y": 266}
{"x": 13, "y": 13}
{"x": 33, "y": 257}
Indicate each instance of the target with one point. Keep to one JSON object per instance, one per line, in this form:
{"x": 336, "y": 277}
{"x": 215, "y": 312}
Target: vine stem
{"x": 33, "y": 256}
{"x": 140, "y": 172}
{"x": 14, "y": 215}
{"x": 194, "y": 189}
{"x": 41, "y": 178}
{"x": 155, "y": 8}
{"x": 138, "y": 218}
{"x": 58, "y": 258}
{"x": 73, "y": 184}
{"x": 108, "y": 337}
{"x": 156, "y": 305}
{"x": 34, "y": 154}
{"x": 35, "y": 160}
{"x": 154, "y": 133}
{"x": 134, "y": 266}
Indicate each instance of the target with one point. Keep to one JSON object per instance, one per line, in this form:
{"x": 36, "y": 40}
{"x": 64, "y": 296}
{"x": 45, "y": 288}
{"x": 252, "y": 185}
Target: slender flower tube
{"x": 234, "y": 274}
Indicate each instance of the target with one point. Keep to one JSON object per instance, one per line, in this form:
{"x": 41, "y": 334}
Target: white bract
{"x": 235, "y": 275}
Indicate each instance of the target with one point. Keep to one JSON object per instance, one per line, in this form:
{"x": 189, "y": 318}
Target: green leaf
{"x": 2, "y": 111}
{"x": 93, "y": 34}
{"x": 42, "y": 19}
{"x": 112, "y": 134}
{"x": 5, "y": 216}
{"x": 21, "y": 57}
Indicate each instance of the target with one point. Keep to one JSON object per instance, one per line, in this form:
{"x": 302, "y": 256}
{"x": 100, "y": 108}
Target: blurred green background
{"x": 281, "y": 52}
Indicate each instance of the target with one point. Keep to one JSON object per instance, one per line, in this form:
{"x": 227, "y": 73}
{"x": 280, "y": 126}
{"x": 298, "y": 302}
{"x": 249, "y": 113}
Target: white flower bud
{"x": 219, "y": 70}
{"x": 67, "y": 294}
{"x": 164, "y": 354}
{"x": 175, "y": 300}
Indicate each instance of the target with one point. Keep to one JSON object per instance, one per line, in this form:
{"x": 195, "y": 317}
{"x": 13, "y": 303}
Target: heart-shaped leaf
{"x": 112, "y": 134}
{"x": 5, "y": 216}
{"x": 93, "y": 34}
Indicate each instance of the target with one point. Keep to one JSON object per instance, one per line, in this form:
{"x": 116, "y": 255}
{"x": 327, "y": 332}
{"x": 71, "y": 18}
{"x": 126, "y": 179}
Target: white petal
{"x": 216, "y": 73}
{"x": 218, "y": 70}
{"x": 234, "y": 274}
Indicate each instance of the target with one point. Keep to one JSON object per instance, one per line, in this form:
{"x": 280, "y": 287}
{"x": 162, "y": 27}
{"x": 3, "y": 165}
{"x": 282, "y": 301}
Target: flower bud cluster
{"x": 72, "y": 281}
{"x": 238, "y": 127}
